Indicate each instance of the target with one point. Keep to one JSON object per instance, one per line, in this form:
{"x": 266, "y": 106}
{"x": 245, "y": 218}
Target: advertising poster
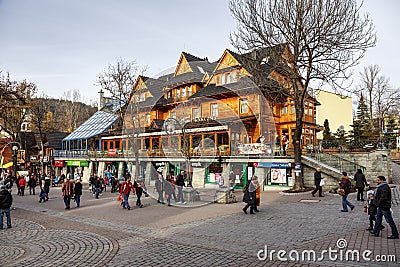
{"x": 278, "y": 176}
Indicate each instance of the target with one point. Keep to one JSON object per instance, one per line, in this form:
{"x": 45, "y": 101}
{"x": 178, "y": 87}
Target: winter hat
{"x": 370, "y": 192}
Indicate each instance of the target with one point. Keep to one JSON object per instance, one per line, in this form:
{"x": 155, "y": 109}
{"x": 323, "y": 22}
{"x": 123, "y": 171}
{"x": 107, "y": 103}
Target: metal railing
{"x": 335, "y": 160}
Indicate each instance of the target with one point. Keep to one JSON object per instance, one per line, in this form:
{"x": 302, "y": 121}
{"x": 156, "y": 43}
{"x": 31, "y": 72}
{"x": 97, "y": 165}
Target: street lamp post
{"x": 14, "y": 155}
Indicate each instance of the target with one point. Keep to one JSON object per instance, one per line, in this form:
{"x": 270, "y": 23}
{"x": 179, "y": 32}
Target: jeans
{"x": 180, "y": 195}
{"x": 389, "y": 219}
{"x": 67, "y": 201}
{"x": 78, "y": 200}
{"x": 97, "y": 192}
{"x": 31, "y": 189}
{"x": 126, "y": 203}
{"x": 8, "y": 215}
{"x": 346, "y": 203}
{"x": 360, "y": 193}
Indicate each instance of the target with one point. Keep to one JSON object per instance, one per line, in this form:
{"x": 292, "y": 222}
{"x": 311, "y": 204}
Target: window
{"x": 184, "y": 92}
{"x": 147, "y": 118}
{"x": 228, "y": 78}
{"x": 189, "y": 90}
{"x": 142, "y": 97}
{"x": 172, "y": 114}
{"x": 214, "y": 110}
{"x": 292, "y": 109}
{"x": 234, "y": 77}
{"x": 284, "y": 110}
{"x": 244, "y": 105}
{"x": 196, "y": 114}
{"x": 222, "y": 79}
{"x": 178, "y": 93}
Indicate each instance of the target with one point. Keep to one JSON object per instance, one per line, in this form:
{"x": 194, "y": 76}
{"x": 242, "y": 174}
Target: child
{"x": 42, "y": 196}
{"x": 371, "y": 209}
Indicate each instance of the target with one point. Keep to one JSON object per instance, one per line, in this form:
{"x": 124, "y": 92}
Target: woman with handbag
{"x": 345, "y": 185}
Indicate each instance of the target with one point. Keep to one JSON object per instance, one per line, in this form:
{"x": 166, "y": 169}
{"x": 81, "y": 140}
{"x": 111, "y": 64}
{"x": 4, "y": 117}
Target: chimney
{"x": 101, "y": 103}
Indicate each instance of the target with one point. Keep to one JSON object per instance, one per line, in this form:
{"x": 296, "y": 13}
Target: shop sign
{"x": 253, "y": 149}
{"x": 112, "y": 152}
{"x": 297, "y": 167}
{"x": 278, "y": 165}
{"x": 77, "y": 163}
{"x": 46, "y": 159}
{"x": 197, "y": 164}
{"x": 159, "y": 166}
{"x": 59, "y": 163}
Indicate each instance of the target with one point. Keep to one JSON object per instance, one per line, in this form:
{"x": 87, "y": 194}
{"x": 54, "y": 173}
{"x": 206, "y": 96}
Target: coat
{"x": 67, "y": 188}
{"x": 345, "y": 185}
{"x": 5, "y": 199}
{"x": 22, "y": 182}
{"x": 78, "y": 189}
{"x": 360, "y": 180}
{"x": 126, "y": 188}
{"x": 160, "y": 185}
{"x": 383, "y": 197}
{"x": 249, "y": 197}
{"x": 317, "y": 178}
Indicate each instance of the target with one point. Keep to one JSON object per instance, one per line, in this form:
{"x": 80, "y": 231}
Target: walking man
{"x": 67, "y": 189}
{"x": 345, "y": 185}
{"x": 317, "y": 182}
{"x": 5, "y": 205}
{"x": 78, "y": 192}
{"x": 359, "y": 177}
{"x": 160, "y": 188}
{"x": 126, "y": 188}
{"x": 383, "y": 202}
{"x": 180, "y": 182}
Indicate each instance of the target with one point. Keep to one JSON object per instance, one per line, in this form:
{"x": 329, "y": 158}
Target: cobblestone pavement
{"x": 100, "y": 233}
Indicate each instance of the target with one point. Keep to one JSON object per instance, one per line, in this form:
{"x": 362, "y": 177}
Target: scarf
{"x": 379, "y": 185}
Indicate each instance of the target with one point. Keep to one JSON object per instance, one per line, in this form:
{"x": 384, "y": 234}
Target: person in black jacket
{"x": 383, "y": 202}
{"x": 371, "y": 209}
{"x": 317, "y": 181}
{"x": 249, "y": 196}
{"x": 5, "y": 205}
{"x": 159, "y": 184}
{"x": 180, "y": 183}
{"x": 360, "y": 180}
{"x": 78, "y": 192}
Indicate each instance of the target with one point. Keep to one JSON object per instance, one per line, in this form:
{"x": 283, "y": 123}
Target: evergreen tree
{"x": 327, "y": 135}
{"x": 341, "y": 134}
{"x": 391, "y": 132}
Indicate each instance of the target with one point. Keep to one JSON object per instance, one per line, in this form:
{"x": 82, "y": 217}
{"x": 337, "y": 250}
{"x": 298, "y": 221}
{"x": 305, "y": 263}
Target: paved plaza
{"x": 100, "y": 233}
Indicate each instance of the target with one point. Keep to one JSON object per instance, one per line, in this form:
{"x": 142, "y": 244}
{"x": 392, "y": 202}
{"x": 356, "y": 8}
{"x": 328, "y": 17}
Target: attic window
{"x": 264, "y": 61}
{"x": 142, "y": 97}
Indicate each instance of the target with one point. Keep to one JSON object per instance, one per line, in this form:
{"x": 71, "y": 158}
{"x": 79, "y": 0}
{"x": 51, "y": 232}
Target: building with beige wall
{"x": 336, "y": 108}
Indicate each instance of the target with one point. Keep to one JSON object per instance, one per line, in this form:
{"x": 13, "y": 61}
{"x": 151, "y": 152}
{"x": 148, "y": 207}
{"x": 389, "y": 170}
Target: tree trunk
{"x": 298, "y": 182}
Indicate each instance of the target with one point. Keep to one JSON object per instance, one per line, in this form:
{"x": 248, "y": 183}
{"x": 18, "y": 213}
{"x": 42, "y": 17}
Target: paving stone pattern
{"x": 48, "y": 235}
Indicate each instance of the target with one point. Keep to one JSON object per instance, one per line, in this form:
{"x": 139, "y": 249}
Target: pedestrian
{"x": 42, "y": 195}
{"x": 5, "y": 205}
{"x": 371, "y": 209}
{"x": 169, "y": 190}
{"x": 345, "y": 185}
{"x": 232, "y": 181}
{"x": 47, "y": 187}
{"x": 97, "y": 186}
{"x": 317, "y": 182}
{"x": 126, "y": 188}
{"x": 249, "y": 196}
{"x": 383, "y": 202}
{"x": 170, "y": 179}
{"x": 159, "y": 184}
{"x": 22, "y": 185}
{"x": 78, "y": 192}
{"x": 140, "y": 188}
{"x": 360, "y": 180}
{"x": 258, "y": 197}
{"x": 67, "y": 189}
{"x": 180, "y": 182}
{"x": 18, "y": 187}
{"x": 284, "y": 143}
{"x": 32, "y": 185}
{"x": 113, "y": 184}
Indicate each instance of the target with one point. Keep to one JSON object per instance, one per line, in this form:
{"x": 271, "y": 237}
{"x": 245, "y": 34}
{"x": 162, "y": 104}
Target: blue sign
{"x": 278, "y": 165}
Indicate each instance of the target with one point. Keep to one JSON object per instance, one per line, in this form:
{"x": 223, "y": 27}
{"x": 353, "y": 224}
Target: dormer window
{"x": 142, "y": 97}
{"x": 189, "y": 90}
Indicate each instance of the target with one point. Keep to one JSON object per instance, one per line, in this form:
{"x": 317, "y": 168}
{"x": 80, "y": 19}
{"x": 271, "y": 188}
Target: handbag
{"x": 341, "y": 192}
{"x": 322, "y": 183}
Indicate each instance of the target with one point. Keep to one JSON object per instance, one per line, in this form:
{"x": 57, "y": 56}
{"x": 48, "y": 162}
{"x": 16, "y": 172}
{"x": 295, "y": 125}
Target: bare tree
{"x": 14, "y": 104}
{"x": 383, "y": 99}
{"x": 326, "y": 39}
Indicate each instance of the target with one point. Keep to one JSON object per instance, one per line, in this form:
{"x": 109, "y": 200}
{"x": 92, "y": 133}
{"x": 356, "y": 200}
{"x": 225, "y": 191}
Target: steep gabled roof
{"x": 191, "y": 58}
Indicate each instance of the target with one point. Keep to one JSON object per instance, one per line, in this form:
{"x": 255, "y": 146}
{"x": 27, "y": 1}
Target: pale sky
{"x": 64, "y": 44}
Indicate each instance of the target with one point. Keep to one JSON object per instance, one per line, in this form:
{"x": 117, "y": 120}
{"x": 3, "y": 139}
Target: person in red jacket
{"x": 22, "y": 185}
{"x": 126, "y": 188}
